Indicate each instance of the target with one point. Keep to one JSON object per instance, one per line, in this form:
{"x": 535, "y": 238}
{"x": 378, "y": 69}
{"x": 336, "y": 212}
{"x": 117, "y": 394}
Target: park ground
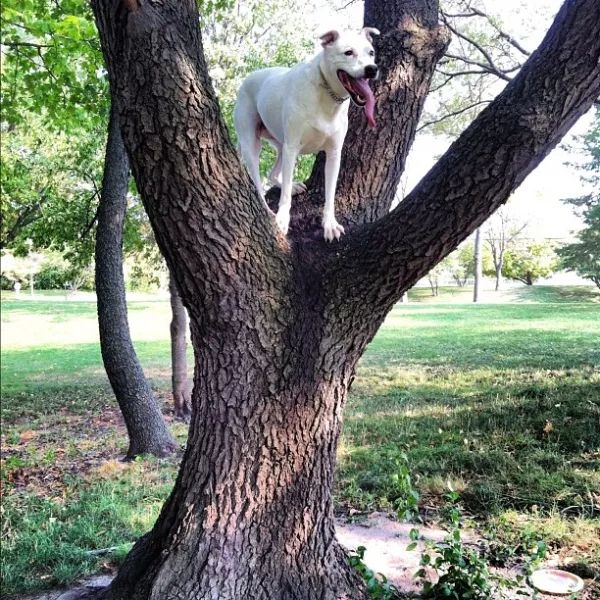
{"x": 498, "y": 401}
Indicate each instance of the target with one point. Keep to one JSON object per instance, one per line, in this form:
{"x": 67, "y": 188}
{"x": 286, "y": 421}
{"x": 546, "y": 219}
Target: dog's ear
{"x": 368, "y": 32}
{"x": 329, "y": 37}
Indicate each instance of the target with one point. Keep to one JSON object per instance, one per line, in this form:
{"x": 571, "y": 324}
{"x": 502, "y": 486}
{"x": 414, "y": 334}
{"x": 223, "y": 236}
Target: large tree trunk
{"x": 181, "y": 388}
{"x": 146, "y": 427}
{"x": 278, "y": 324}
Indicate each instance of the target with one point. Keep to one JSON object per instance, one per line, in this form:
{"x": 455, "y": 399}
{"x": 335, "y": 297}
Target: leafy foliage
{"x": 49, "y": 185}
{"x": 407, "y": 503}
{"x": 463, "y": 574}
{"x": 52, "y": 64}
{"x": 583, "y": 256}
{"x": 378, "y": 586}
{"x": 529, "y": 261}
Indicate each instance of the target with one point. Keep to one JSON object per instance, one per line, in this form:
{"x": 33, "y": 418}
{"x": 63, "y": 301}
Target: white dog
{"x": 304, "y": 110}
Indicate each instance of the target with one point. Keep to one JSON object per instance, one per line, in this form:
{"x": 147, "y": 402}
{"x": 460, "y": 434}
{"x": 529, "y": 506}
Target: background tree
{"x": 279, "y": 323}
{"x": 583, "y": 256}
{"x": 477, "y": 264}
{"x": 147, "y": 430}
{"x": 53, "y": 63}
{"x": 501, "y": 233}
{"x": 182, "y": 389}
{"x": 529, "y": 261}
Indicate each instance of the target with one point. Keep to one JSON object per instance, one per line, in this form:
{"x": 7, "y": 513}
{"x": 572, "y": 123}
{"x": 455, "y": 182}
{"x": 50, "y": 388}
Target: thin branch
{"x": 459, "y": 73}
{"x": 28, "y": 44}
{"x": 476, "y": 12}
{"x": 492, "y": 65}
{"x": 350, "y": 3}
{"x": 493, "y": 70}
{"x": 505, "y": 36}
{"x": 452, "y": 114}
{"x": 91, "y": 223}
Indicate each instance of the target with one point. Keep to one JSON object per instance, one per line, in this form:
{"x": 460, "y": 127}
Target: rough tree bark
{"x": 181, "y": 388}
{"x": 146, "y": 427}
{"x": 278, "y": 324}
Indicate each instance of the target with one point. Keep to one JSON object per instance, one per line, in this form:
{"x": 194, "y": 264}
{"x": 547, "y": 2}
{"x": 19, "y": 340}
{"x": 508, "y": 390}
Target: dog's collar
{"x": 325, "y": 84}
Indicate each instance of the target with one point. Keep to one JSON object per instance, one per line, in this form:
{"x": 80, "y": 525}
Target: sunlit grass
{"x": 466, "y": 392}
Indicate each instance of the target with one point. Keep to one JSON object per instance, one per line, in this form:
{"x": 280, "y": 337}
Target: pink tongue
{"x": 362, "y": 86}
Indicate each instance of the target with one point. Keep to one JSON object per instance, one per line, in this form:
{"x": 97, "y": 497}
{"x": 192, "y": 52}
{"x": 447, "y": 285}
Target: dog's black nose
{"x": 371, "y": 71}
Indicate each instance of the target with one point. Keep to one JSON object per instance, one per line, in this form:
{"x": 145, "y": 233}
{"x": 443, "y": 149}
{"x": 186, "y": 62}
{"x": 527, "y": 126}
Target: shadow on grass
{"x": 39, "y": 381}
{"x": 505, "y": 440}
{"x": 560, "y": 294}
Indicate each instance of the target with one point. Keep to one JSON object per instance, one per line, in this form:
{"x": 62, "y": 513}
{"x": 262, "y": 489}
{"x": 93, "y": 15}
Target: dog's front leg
{"x": 289, "y": 153}
{"x": 331, "y": 228}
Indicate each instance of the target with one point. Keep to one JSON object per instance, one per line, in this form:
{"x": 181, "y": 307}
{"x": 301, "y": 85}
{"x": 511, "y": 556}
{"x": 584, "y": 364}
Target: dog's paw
{"x": 332, "y": 230}
{"x": 298, "y": 188}
{"x": 283, "y": 220}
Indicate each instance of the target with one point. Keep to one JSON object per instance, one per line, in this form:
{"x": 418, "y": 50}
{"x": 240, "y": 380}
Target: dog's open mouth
{"x": 360, "y": 93}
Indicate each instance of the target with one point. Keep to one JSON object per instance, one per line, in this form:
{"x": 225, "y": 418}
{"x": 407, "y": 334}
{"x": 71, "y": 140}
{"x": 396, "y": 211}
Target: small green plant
{"x": 462, "y": 573}
{"x": 407, "y": 504}
{"x": 378, "y": 586}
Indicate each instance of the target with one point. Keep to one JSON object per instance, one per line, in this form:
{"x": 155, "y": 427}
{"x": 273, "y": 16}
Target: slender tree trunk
{"x": 146, "y": 427}
{"x": 279, "y": 323}
{"x": 180, "y": 383}
{"x": 498, "y": 267}
{"x": 478, "y": 258}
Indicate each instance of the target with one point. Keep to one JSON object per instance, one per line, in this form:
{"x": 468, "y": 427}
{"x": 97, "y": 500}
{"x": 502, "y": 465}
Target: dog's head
{"x": 350, "y": 55}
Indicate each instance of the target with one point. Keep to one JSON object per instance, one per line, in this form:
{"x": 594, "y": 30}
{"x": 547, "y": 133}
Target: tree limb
{"x": 411, "y": 43}
{"x": 193, "y": 178}
{"x": 482, "y": 168}
{"x": 505, "y": 36}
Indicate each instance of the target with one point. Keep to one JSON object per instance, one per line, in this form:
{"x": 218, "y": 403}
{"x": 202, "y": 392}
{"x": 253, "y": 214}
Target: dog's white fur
{"x": 300, "y": 111}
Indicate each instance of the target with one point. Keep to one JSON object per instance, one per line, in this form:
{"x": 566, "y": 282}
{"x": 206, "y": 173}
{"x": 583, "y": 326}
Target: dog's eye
{"x": 349, "y": 52}
{"x": 371, "y": 52}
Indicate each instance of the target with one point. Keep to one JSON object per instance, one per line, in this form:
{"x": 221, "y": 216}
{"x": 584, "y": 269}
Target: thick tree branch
{"x": 193, "y": 181}
{"x": 482, "y": 168}
{"x": 410, "y": 45}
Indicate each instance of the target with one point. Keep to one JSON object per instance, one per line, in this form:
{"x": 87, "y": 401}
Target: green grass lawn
{"x": 499, "y": 401}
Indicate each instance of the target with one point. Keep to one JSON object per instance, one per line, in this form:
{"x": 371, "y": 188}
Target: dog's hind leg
{"x": 248, "y": 127}
{"x": 275, "y": 174}
{"x": 289, "y": 154}
{"x": 250, "y": 150}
